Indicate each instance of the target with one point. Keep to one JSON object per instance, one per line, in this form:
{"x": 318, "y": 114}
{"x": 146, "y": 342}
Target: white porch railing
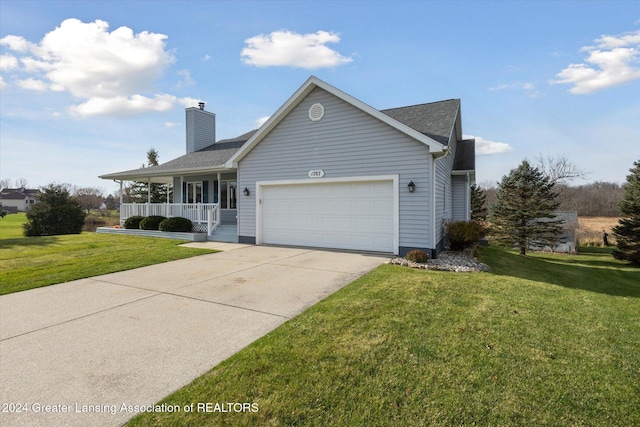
{"x": 201, "y": 214}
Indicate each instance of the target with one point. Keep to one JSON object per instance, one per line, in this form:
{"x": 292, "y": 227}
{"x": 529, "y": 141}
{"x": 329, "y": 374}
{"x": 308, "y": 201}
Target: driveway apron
{"x": 98, "y": 351}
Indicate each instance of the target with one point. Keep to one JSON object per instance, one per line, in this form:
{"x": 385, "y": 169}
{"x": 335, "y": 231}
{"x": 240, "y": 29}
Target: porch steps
{"x": 225, "y": 233}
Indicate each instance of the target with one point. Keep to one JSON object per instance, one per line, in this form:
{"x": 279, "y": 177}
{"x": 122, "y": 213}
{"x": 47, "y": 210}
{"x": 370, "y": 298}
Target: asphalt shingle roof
{"x": 465, "y": 159}
{"x": 435, "y": 119}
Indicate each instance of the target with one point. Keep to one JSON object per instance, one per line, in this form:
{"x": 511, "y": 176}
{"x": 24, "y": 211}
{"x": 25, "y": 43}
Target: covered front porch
{"x": 208, "y": 200}
{"x": 204, "y": 216}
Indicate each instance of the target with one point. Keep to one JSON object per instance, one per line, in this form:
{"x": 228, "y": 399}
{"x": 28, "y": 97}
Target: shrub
{"x": 176, "y": 224}
{"x": 463, "y": 234}
{"x": 151, "y": 222}
{"x": 55, "y": 213}
{"x": 417, "y": 255}
{"x": 133, "y": 222}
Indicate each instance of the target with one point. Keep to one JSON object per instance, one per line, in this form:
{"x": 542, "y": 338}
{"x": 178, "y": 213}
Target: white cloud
{"x": 16, "y": 43}
{"x": 187, "y": 80}
{"x": 611, "y": 62}
{"x": 3, "y": 84}
{"x": 286, "y": 48}
{"x": 171, "y": 124}
{"x": 111, "y": 73}
{"x": 206, "y": 57}
{"x": 123, "y": 106}
{"x": 32, "y": 84}
{"x": 8, "y": 62}
{"x": 262, "y": 120}
{"x": 528, "y": 88}
{"x": 485, "y": 147}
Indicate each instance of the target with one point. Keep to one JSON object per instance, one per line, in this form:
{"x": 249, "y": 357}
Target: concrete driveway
{"x": 85, "y": 353}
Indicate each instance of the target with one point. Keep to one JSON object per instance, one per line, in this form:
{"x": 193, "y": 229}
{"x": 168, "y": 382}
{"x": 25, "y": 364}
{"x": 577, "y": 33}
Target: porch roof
{"x": 209, "y": 159}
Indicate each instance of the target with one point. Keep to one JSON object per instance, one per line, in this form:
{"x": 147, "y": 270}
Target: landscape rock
{"x": 463, "y": 261}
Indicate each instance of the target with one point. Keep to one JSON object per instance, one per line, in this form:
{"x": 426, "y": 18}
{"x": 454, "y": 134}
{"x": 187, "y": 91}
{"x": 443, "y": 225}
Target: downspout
{"x": 445, "y": 153}
{"x": 467, "y": 199}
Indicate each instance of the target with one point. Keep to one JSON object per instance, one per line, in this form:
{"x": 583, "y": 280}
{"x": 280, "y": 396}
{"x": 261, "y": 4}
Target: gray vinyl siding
{"x": 177, "y": 188}
{"x": 346, "y": 143}
{"x": 200, "y": 129}
{"x": 444, "y": 201}
{"x": 211, "y": 179}
{"x": 459, "y": 184}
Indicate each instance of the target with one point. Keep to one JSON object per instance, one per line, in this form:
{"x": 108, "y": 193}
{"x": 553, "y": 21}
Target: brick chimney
{"x": 201, "y": 128}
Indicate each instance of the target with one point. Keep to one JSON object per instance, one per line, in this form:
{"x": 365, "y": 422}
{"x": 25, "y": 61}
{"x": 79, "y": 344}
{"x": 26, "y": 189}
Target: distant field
{"x": 591, "y": 227}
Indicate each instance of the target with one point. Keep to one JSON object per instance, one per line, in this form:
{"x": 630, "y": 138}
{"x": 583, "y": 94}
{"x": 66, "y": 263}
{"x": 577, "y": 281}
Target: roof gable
{"x": 304, "y": 90}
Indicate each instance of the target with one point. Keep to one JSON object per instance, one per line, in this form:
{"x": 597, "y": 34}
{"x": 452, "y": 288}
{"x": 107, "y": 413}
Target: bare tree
{"x": 89, "y": 197}
{"x": 559, "y": 169}
{"x": 5, "y": 183}
{"x": 21, "y": 183}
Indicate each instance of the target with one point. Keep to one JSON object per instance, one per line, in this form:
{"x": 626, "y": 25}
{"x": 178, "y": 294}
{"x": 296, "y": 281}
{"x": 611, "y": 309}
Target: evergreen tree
{"x": 55, "y": 213}
{"x": 478, "y": 204}
{"x": 138, "y": 192}
{"x": 524, "y": 210}
{"x": 627, "y": 231}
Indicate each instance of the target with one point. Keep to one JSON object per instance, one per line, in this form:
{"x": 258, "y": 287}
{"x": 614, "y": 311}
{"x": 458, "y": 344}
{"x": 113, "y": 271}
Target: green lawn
{"x": 11, "y": 226}
{"x": 542, "y": 340}
{"x": 32, "y": 262}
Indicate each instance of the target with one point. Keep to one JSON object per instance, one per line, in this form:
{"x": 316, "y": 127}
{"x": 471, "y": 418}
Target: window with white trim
{"x": 194, "y": 192}
{"x": 228, "y": 196}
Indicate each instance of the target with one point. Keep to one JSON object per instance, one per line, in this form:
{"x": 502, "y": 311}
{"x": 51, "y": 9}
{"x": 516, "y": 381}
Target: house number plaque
{"x": 318, "y": 173}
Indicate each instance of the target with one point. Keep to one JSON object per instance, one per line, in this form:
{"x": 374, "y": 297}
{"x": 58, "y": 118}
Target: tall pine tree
{"x": 524, "y": 213}
{"x": 478, "y": 204}
{"x": 138, "y": 192}
{"x": 627, "y": 231}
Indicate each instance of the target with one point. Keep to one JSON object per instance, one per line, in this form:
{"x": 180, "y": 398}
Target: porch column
{"x": 121, "y": 202}
{"x": 166, "y": 207}
{"x": 148, "y": 190}
{"x": 182, "y": 196}
{"x": 219, "y": 186}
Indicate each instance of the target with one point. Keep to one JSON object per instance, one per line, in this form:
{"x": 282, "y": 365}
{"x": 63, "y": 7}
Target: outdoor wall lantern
{"x": 412, "y": 187}
{"x": 246, "y": 191}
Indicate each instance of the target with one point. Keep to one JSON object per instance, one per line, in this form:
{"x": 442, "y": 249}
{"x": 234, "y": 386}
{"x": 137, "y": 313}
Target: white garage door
{"x": 342, "y": 215}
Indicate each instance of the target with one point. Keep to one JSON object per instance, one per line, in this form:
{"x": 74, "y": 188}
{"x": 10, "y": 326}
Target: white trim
{"x": 433, "y": 212}
{"x": 395, "y": 179}
{"x": 308, "y": 86}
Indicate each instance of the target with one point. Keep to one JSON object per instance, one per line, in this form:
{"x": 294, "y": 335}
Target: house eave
{"x": 141, "y": 176}
{"x": 463, "y": 172}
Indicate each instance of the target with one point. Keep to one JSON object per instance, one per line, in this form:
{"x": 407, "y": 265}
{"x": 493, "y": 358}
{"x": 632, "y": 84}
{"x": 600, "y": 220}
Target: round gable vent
{"x": 316, "y": 112}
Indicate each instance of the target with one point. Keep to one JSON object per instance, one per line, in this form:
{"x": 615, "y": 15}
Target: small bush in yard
{"x": 151, "y": 222}
{"x": 417, "y": 255}
{"x": 177, "y": 224}
{"x": 55, "y": 213}
{"x": 463, "y": 234}
{"x": 133, "y": 222}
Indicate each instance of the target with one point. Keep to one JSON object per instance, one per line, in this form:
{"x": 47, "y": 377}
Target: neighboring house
{"x": 326, "y": 170}
{"x": 18, "y": 199}
{"x": 567, "y": 239}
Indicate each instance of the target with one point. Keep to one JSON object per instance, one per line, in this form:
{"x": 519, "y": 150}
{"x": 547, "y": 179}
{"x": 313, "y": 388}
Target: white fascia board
{"x": 311, "y": 83}
{"x": 129, "y": 176}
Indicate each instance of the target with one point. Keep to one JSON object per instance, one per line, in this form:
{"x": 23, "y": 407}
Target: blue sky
{"x": 87, "y": 87}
